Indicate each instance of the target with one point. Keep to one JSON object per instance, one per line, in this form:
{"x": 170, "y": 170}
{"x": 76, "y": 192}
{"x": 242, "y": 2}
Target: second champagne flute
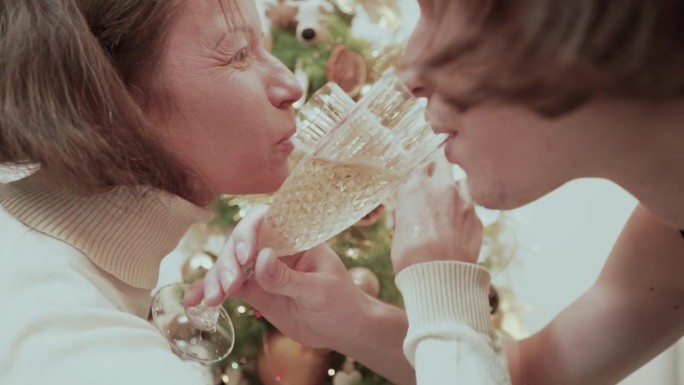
{"x": 351, "y": 169}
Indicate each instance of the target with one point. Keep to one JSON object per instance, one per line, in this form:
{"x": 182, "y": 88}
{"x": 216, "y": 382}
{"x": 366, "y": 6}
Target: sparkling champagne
{"x": 320, "y": 199}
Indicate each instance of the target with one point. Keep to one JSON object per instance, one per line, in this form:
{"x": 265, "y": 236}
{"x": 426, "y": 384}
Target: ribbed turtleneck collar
{"x": 126, "y": 231}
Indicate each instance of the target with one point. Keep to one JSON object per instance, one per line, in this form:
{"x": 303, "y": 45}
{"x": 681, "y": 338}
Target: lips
{"x": 285, "y": 143}
{"x": 288, "y": 136}
{"x": 442, "y": 117}
{"x": 441, "y": 130}
{"x": 437, "y": 125}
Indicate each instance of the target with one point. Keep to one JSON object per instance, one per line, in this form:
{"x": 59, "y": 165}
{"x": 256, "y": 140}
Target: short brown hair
{"x": 67, "y": 70}
{"x": 553, "y": 55}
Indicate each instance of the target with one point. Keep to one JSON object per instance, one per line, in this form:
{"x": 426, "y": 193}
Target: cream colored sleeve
{"x": 450, "y": 339}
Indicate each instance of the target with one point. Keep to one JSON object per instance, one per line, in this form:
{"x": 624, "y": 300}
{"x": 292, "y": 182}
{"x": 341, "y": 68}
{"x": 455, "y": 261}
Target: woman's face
{"x": 229, "y": 111}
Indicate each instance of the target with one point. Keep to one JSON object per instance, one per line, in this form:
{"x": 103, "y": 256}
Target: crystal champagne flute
{"x": 206, "y": 334}
{"x": 351, "y": 168}
{"x": 200, "y": 333}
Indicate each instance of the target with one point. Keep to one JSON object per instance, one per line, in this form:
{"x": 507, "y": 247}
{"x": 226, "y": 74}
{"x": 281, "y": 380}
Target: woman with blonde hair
{"x": 133, "y": 115}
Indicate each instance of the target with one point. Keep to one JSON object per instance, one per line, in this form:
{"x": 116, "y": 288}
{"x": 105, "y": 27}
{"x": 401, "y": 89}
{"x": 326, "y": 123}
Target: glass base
{"x": 191, "y": 340}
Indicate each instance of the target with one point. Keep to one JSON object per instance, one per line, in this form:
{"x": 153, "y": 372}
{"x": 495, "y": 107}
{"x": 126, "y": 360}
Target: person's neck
{"x": 648, "y": 159}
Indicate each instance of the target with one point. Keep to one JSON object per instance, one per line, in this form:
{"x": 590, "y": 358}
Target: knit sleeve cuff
{"x": 443, "y": 296}
{"x": 446, "y": 291}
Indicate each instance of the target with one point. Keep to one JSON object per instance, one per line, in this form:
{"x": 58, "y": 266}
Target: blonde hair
{"x": 552, "y": 55}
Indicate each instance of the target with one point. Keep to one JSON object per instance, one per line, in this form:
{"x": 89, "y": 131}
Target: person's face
{"x": 229, "y": 114}
{"x": 511, "y": 155}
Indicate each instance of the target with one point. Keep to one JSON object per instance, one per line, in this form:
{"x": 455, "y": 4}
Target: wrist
{"x": 446, "y": 291}
{"x": 403, "y": 258}
{"x": 376, "y": 341}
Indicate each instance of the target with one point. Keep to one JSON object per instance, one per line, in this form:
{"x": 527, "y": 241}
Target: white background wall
{"x": 564, "y": 240}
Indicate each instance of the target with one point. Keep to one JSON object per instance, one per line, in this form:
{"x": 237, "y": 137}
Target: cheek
{"x": 506, "y": 152}
{"x": 509, "y": 161}
{"x": 248, "y": 165}
{"x": 503, "y": 134}
{"x": 487, "y": 147}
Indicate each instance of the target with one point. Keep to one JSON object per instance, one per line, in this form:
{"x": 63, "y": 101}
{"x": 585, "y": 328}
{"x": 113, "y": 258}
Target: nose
{"x": 284, "y": 89}
{"x": 413, "y": 81}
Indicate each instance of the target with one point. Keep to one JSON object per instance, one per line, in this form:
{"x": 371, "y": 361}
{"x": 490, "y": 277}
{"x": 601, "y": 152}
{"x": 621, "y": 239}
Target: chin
{"x": 276, "y": 181}
{"x": 496, "y": 196}
{"x": 499, "y": 195}
{"x": 266, "y": 184}
{"x": 259, "y": 188}
{"x": 271, "y": 187}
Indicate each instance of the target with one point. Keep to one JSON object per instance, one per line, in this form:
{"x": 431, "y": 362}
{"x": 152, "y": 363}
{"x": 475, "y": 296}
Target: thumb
{"x": 274, "y": 276}
{"x": 194, "y": 293}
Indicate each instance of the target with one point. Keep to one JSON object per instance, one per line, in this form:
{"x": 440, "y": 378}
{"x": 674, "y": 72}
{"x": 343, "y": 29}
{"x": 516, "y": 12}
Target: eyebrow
{"x": 233, "y": 32}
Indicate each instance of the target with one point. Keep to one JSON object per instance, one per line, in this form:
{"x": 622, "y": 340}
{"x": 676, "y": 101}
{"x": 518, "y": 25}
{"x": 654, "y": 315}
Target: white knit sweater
{"x": 75, "y": 279}
{"x": 450, "y": 340}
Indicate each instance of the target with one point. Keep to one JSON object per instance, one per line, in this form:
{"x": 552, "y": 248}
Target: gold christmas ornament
{"x": 196, "y": 266}
{"x": 346, "y": 68}
{"x": 284, "y": 361}
{"x": 365, "y": 279}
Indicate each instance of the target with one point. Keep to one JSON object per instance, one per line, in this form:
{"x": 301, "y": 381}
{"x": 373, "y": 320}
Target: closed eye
{"x": 240, "y": 56}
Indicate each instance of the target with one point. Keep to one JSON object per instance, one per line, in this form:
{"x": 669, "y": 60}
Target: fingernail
{"x": 212, "y": 292}
{"x": 227, "y": 278}
{"x": 272, "y": 266}
{"x": 242, "y": 252}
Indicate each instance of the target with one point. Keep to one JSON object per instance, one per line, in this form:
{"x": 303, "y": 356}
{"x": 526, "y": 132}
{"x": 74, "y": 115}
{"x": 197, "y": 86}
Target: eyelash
{"x": 240, "y": 56}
